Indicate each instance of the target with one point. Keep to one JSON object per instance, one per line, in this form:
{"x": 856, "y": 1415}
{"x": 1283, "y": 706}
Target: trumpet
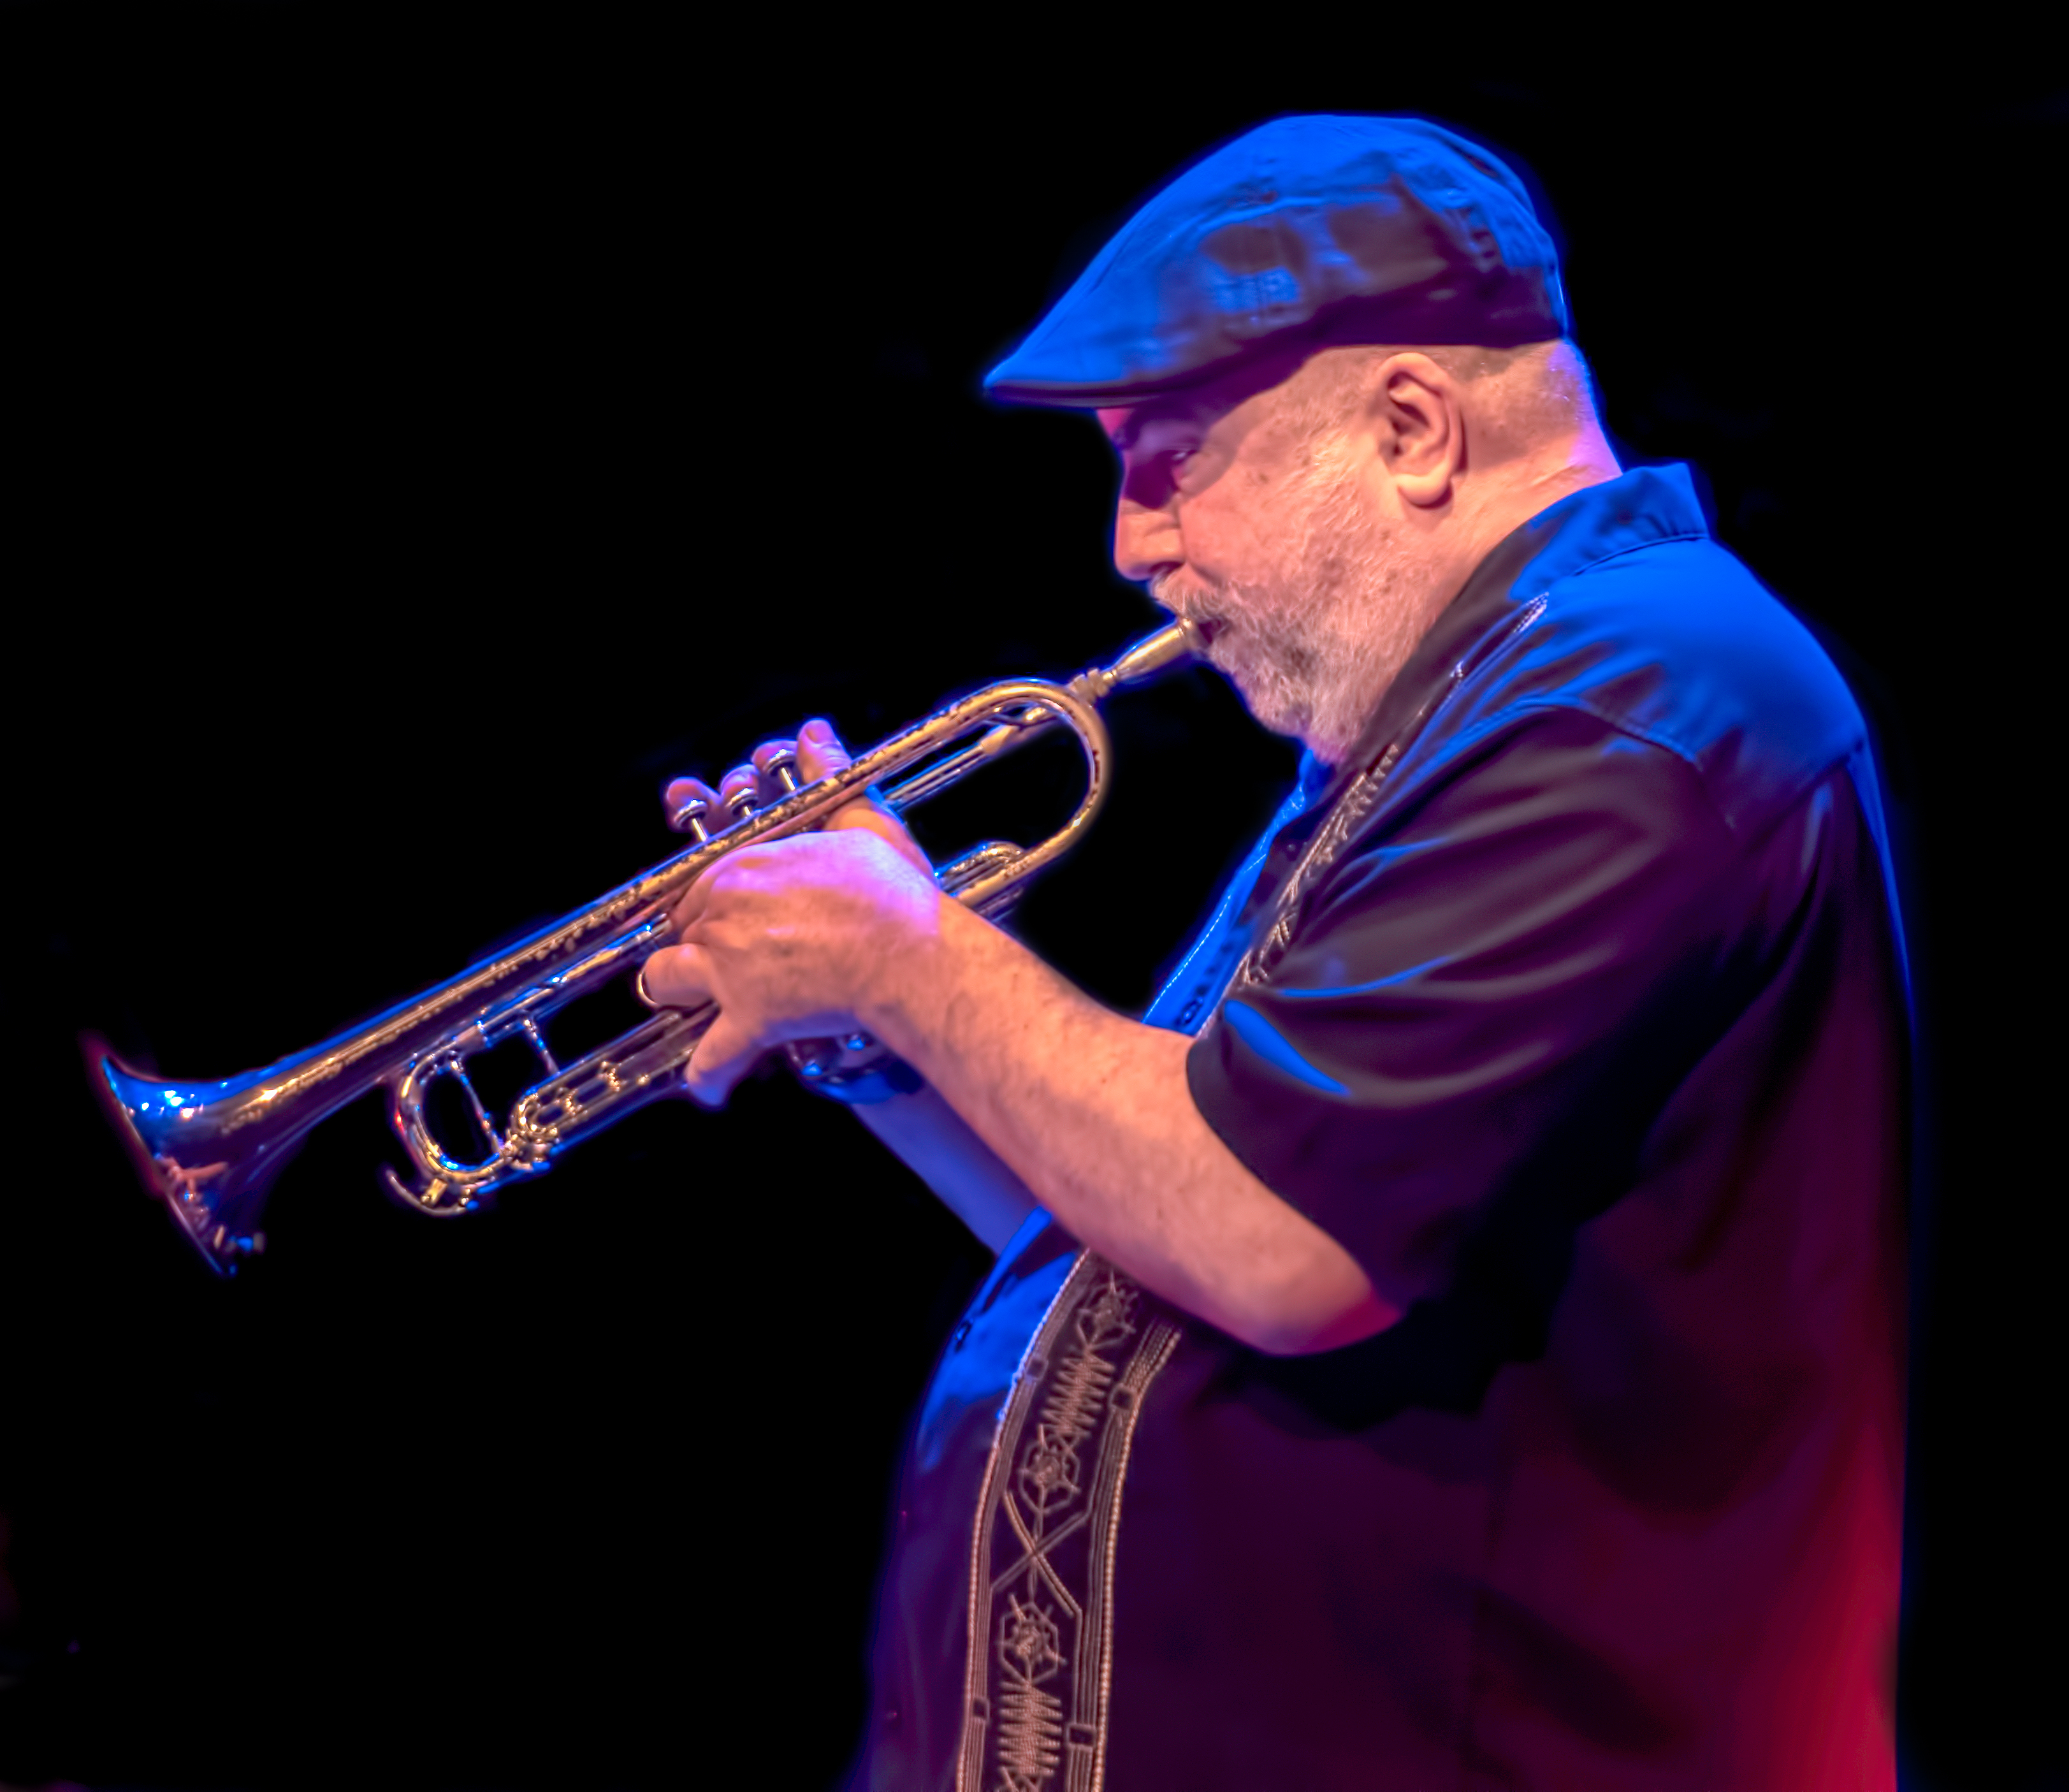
{"x": 210, "y": 1151}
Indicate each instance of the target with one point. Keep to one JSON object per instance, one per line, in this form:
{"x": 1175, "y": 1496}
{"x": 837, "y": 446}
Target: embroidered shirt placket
{"x": 1044, "y": 1498}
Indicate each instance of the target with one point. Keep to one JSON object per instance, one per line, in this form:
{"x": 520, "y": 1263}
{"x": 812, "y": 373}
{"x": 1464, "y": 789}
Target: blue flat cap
{"x": 1343, "y": 230}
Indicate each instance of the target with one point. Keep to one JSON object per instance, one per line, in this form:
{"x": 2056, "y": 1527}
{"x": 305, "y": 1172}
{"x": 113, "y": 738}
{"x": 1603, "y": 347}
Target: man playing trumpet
{"x": 1454, "y": 1337}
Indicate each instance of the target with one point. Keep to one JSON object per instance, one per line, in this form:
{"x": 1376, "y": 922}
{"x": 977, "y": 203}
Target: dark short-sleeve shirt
{"x": 1572, "y": 1005}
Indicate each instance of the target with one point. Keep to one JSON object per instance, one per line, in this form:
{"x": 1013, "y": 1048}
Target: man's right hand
{"x": 921, "y": 1128}
{"x": 783, "y": 934}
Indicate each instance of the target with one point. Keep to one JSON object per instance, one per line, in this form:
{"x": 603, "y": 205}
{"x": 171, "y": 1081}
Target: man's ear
{"x": 1420, "y": 428}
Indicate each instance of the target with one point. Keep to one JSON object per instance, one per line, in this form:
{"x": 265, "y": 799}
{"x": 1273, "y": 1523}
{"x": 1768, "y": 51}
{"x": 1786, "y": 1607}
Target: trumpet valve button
{"x": 690, "y": 819}
{"x": 741, "y": 802}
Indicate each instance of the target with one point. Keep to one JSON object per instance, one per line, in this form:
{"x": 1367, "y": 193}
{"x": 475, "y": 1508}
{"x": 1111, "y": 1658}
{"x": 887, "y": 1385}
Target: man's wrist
{"x": 917, "y": 987}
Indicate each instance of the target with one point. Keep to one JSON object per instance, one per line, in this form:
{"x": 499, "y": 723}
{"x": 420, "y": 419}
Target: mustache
{"x": 1205, "y": 607}
{"x": 1189, "y": 604}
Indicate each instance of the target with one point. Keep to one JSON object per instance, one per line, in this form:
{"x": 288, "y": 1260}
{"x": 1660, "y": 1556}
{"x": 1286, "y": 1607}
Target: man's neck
{"x": 1524, "y": 488}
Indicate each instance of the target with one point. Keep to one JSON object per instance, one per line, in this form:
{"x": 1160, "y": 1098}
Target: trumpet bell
{"x": 183, "y": 1140}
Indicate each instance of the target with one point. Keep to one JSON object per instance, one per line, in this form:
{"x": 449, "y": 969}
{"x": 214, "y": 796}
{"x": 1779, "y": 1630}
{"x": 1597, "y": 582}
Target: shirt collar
{"x": 1644, "y": 505}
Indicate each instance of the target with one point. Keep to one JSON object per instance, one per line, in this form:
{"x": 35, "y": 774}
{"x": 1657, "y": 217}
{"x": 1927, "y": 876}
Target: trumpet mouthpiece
{"x": 1171, "y": 645}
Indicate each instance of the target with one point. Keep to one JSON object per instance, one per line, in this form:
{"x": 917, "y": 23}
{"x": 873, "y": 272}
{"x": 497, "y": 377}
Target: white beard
{"x": 1314, "y": 645}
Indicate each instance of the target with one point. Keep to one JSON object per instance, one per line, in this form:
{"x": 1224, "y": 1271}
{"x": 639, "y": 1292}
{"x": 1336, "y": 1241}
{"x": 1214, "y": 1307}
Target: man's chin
{"x": 1292, "y": 726}
{"x": 1275, "y": 712}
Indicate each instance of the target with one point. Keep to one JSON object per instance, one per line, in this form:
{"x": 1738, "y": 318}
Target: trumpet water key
{"x": 210, "y": 1150}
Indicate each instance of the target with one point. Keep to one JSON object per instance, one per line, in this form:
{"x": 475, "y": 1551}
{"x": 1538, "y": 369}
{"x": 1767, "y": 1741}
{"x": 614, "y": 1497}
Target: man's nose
{"x": 1145, "y": 541}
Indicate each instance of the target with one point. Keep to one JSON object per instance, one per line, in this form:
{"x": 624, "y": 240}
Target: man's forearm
{"x": 1093, "y": 1114}
{"x": 1090, "y": 1111}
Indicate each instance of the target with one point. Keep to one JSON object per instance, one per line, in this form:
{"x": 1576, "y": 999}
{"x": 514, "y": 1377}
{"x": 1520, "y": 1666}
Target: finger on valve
{"x": 777, "y": 770}
{"x": 739, "y": 794}
{"x": 691, "y": 806}
{"x": 696, "y": 808}
{"x": 773, "y": 770}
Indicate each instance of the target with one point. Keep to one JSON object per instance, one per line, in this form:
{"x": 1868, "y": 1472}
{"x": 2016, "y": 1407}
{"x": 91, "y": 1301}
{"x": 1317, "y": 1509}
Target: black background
{"x": 424, "y": 434}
